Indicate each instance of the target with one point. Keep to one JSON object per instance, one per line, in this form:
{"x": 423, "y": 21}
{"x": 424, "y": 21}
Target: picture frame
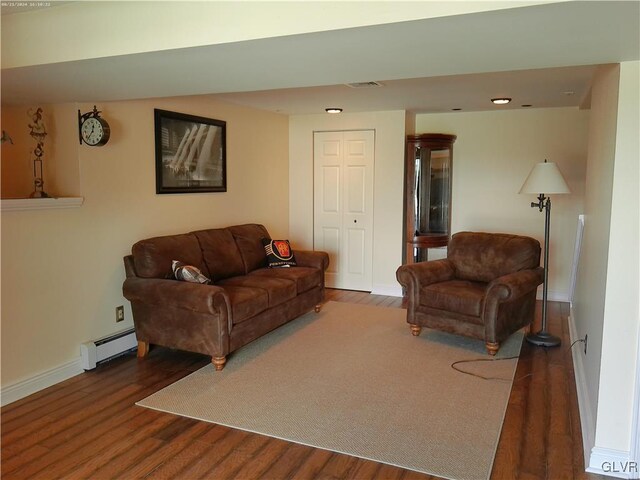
{"x": 191, "y": 153}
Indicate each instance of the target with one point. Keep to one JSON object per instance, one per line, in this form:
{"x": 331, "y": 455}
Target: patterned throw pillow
{"x": 279, "y": 253}
{"x": 188, "y": 273}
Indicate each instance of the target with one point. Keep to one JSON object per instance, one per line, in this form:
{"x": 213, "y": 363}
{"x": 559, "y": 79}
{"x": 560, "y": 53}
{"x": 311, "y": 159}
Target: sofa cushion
{"x": 249, "y": 240}
{"x": 460, "y": 296}
{"x": 246, "y": 302}
{"x": 305, "y": 278}
{"x": 153, "y": 257}
{"x": 220, "y": 253}
{"x": 483, "y": 257}
{"x": 278, "y": 290}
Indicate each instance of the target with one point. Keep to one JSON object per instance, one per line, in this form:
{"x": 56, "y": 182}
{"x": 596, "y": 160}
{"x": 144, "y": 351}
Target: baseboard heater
{"x": 107, "y": 348}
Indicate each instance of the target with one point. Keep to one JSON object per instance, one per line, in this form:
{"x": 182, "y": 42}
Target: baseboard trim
{"x": 28, "y": 386}
{"x": 612, "y": 463}
{"x": 587, "y": 419}
{"x": 388, "y": 290}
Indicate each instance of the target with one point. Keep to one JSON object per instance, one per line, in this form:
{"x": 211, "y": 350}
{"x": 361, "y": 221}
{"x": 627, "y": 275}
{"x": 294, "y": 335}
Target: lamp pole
{"x": 544, "y": 338}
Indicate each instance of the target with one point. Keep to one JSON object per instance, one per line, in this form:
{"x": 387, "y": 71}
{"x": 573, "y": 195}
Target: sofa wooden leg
{"x": 143, "y": 349}
{"x": 317, "y": 308}
{"x": 492, "y": 348}
{"x": 415, "y": 329}
{"x": 218, "y": 362}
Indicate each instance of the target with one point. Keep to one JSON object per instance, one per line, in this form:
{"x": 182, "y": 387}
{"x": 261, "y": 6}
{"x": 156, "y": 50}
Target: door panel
{"x": 330, "y": 189}
{"x": 356, "y": 246}
{"x": 331, "y": 245}
{"x": 355, "y": 177}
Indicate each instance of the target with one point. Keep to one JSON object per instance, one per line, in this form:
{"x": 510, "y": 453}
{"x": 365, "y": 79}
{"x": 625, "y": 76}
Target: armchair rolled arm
{"x": 514, "y": 285}
{"x": 314, "y": 259}
{"x": 425, "y": 273}
{"x": 503, "y": 291}
{"x": 171, "y": 293}
{"x": 413, "y": 277}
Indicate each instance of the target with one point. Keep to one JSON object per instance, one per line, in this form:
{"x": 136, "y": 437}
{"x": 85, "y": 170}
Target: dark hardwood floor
{"x": 89, "y": 428}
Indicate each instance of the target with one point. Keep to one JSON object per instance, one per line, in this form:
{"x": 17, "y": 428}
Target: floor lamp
{"x": 544, "y": 177}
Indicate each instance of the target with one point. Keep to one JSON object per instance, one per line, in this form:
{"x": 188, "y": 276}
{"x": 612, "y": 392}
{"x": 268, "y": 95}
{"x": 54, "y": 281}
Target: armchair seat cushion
{"x": 305, "y": 278}
{"x": 459, "y": 296}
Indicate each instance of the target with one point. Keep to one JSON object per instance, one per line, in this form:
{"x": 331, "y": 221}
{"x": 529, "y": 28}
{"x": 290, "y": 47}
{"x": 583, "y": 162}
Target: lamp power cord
{"x": 499, "y": 379}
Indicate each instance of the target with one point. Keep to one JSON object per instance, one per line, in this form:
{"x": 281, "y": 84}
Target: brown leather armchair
{"x": 484, "y": 289}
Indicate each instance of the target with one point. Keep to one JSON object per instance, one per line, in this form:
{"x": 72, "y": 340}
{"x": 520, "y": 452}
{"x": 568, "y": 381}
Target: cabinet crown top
{"x": 438, "y": 137}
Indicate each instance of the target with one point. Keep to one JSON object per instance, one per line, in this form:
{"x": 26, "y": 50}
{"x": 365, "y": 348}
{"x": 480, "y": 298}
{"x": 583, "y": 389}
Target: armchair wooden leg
{"x": 415, "y": 329}
{"x": 218, "y": 362}
{"x": 492, "y": 348}
{"x": 143, "y": 349}
{"x": 527, "y": 329}
{"x": 317, "y": 308}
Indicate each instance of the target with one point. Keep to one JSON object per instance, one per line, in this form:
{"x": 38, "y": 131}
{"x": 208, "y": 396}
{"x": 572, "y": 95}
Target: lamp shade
{"x": 546, "y": 178}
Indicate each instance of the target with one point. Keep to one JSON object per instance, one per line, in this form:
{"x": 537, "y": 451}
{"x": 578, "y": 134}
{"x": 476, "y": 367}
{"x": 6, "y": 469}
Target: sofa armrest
{"x": 514, "y": 285}
{"x": 172, "y": 293}
{"x": 314, "y": 259}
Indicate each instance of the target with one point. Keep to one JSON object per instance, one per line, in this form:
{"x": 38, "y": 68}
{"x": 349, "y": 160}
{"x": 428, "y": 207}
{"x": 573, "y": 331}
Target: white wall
{"x": 388, "y": 185}
{"x": 492, "y": 157}
{"x": 621, "y": 320}
{"x": 588, "y": 304}
{"x": 62, "y": 270}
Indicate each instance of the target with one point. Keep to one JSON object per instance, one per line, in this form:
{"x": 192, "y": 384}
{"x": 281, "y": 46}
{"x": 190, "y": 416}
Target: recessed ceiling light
{"x": 501, "y": 101}
{"x": 333, "y": 110}
{"x": 364, "y": 84}
{"x": 568, "y": 93}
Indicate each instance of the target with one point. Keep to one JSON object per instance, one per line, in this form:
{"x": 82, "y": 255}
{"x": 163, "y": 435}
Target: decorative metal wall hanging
{"x": 38, "y": 132}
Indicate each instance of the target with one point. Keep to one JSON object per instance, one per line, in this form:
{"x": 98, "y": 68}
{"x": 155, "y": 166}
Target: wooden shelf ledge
{"x": 16, "y": 204}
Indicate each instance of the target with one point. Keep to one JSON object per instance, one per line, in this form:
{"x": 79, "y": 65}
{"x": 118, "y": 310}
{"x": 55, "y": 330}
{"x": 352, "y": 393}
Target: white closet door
{"x": 343, "y": 206}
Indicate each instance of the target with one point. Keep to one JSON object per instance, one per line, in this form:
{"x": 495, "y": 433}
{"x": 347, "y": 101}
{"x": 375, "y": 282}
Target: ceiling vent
{"x": 364, "y": 85}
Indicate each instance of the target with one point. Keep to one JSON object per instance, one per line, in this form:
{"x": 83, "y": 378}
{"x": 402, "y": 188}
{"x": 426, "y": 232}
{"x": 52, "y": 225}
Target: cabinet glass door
{"x": 428, "y": 193}
{"x": 432, "y": 191}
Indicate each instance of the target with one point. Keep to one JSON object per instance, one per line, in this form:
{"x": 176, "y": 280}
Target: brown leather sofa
{"x": 484, "y": 289}
{"x": 245, "y": 301}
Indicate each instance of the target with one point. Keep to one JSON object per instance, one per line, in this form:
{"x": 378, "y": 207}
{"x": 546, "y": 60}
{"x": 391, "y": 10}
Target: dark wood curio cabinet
{"x": 428, "y": 177}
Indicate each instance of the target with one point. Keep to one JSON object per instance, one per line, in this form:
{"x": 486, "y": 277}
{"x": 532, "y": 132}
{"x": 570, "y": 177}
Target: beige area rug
{"x": 352, "y": 379}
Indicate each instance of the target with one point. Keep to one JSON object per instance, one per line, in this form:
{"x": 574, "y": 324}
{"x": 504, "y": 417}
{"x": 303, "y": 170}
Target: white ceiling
{"x": 551, "y": 87}
{"x": 532, "y": 54}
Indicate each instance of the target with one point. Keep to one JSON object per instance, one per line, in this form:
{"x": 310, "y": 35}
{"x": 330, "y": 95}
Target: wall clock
{"x": 93, "y": 129}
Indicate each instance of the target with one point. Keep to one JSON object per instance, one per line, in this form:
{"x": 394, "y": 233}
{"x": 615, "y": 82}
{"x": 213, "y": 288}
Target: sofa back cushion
{"x": 221, "y": 253}
{"x": 483, "y": 257}
{"x": 249, "y": 240}
{"x": 152, "y": 257}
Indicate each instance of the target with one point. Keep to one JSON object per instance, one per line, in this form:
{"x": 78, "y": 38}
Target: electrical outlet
{"x": 119, "y": 313}
{"x": 585, "y": 343}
